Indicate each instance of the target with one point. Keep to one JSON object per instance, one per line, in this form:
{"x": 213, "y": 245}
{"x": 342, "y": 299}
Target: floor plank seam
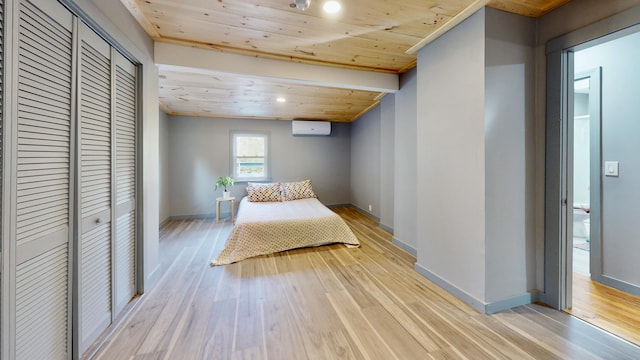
{"x": 327, "y": 302}
{"x": 184, "y": 316}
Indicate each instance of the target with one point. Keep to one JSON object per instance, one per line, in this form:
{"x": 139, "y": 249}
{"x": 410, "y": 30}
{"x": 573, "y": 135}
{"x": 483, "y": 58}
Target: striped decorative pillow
{"x": 257, "y": 192}
{"x": 297, "y": 190}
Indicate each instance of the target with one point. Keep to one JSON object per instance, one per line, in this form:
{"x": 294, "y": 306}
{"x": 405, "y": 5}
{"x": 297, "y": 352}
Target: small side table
{"x": 233, "y": 208}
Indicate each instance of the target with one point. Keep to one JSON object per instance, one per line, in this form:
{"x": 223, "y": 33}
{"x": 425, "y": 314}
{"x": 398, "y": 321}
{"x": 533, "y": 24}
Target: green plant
{"x": 224, "y": 182}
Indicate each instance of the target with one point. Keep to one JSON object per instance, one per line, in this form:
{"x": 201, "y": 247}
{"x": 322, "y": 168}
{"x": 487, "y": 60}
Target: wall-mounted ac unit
{"x": 306, "y": 127}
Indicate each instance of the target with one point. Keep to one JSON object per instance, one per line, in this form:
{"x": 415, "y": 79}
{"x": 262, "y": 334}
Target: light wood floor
{"x": 606, "y": 307}
{"x": 329, "y": 302}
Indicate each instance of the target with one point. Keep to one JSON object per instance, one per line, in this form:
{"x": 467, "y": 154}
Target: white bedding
{"x": 268, "y": 227}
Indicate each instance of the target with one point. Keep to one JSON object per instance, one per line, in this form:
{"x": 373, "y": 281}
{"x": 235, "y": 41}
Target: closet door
{"x": 42, "y": 154}
{"x": 2, "y": 277}
{"x": 125, "y": 156}
{"x": 94, "y": 187}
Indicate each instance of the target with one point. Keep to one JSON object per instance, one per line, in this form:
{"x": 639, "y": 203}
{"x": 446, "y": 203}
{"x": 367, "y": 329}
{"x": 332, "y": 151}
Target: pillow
{"x": 270, "y": 192}
{"x": 297, "y": 190}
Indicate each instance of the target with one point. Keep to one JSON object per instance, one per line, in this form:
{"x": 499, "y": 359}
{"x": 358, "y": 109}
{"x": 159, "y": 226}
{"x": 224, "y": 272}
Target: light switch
{"x": 611, "y": 168}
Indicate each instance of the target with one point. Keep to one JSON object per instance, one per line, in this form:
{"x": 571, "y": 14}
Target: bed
{"x": 268, "y": 227}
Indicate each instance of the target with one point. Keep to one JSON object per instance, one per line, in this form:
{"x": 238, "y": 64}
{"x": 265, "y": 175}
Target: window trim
{"x": 267, "y": 161}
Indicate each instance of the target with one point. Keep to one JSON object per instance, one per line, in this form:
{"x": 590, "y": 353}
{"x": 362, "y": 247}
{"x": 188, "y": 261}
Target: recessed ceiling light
{"x": 281, "y": 100}
{"x": 331, "y": 7}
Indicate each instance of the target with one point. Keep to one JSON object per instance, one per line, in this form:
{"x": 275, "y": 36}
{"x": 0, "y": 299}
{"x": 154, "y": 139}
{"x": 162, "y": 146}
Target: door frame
{"x": 595, "y": 173}
{"x": 568, "y": 141}
{"x": 559, "y": 115}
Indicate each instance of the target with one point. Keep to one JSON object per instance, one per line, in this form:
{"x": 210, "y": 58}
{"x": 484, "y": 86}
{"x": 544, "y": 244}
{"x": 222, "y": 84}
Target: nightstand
{"x": 233, "y": 208}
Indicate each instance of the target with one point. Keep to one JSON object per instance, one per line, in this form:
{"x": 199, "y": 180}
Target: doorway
{"x": 590, "y": 232}
{"x": 583, "y": 185}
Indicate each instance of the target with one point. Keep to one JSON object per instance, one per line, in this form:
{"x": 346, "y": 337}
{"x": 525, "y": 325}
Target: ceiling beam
{"x": 462, "y": 16}
{"x": 216, "y": 61}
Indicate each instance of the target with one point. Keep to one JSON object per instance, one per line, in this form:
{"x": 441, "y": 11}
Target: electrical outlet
{"x": 370, "y": 207}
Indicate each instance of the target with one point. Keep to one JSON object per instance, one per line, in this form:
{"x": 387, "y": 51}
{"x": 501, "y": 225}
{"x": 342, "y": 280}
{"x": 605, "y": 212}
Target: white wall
{"x": 509, "y": 155}
{"x": 405, "y": 163}
{"x": 581, "y": 156}
{"x": 165, "y": 171}
{"x": 451, "y": 158}
{"x": 366, "y": 162}
{"x": 116, "y": 20}
{"x": 620, "y": 129}
{"x": 199, "y": 152}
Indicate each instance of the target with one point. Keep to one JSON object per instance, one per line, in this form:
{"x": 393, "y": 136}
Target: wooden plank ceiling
{"x": 369, "y": 35}
{"x": 198, "y": 93}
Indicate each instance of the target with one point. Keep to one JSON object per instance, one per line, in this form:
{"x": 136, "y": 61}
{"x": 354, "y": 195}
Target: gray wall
{"x": 620, "y": 129}
{"x": 509, "y": 155}
{"x": 199, "y": 152}
{"x": 405, "y": 163}
{"x": 164, "y": 208}
{"x": 387, "y": 158}
{"x": 373, "y": 162}
{"x": 450, "y": 158}
{"x": 475, "y": 120}
{"x": 365, "y": 161}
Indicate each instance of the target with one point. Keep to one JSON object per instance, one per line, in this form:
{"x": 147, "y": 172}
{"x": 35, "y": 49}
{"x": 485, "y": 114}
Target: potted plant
{"x": 225, "y": 182}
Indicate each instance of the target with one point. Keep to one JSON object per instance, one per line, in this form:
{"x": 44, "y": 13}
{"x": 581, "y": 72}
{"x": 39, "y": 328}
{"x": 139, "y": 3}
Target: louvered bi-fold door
{"x": 125, "y": 140}
{"x": 1, "y": 152}
{"x": 41, "y": 229}
{"x": 95, "y": 164}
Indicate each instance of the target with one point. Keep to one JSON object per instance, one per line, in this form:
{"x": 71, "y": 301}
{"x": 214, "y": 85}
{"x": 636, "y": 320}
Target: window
{"x": 249, "y": 156}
